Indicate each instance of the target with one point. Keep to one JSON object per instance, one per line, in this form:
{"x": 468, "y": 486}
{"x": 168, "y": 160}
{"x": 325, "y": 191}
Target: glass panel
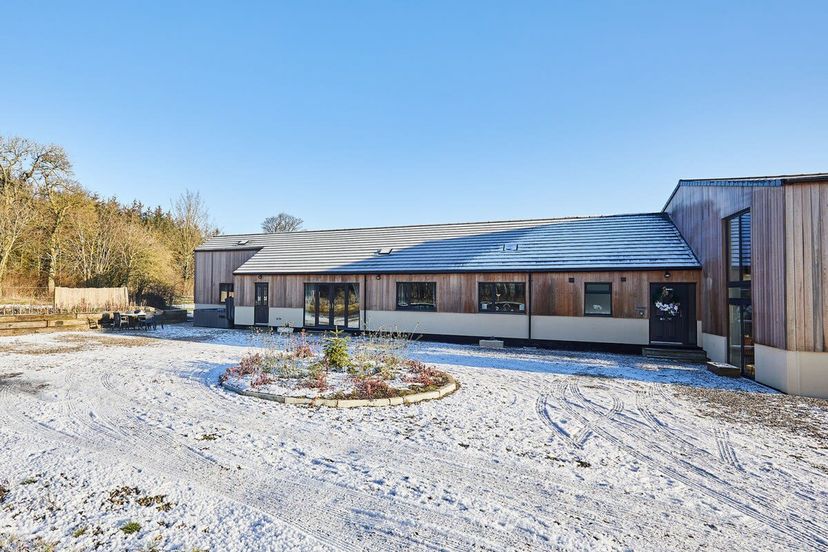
{"x": 598, "y": 299}
{"x": 734, "y": 250}
{"x": 747, "y": 341}
{"x": 416, "y": 296}
{"x": 225, "y": 291}
{"x": 735, "y": 336}
{"x": 745, "y": 250}
{"x": 339, "y": 305}
{"x": 324, "y": 304}
{"x": 260, "y": 295}
{"x": 353, "y": 306}
{"x": 501, "y": 297}
{"x": 310, "y": 305}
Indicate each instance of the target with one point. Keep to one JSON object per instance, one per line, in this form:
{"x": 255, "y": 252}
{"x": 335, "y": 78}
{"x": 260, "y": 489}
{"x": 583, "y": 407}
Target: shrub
{"x": 302, "y": 349}
{"x": 250, "y": 364}
{"x": 317, "y": 378}
{"x": 424, "y": 375}
{"x": 336, "y": 351}
{"x": 261, "y": 379}
{"x": 373, "y": 387}
{"x": 289, "y": 369}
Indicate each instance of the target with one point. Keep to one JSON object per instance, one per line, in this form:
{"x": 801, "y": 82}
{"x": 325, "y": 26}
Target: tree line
{"x": 55, "y": 232}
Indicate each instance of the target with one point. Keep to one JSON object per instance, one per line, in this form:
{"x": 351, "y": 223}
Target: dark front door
{"x": 673, "y": 314}
{"x": 332, "y": 306}
{"x": 260, "y": 306}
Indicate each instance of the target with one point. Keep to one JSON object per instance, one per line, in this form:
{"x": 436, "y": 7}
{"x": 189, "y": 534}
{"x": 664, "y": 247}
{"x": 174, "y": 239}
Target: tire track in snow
{"x": 489, "y": 481}
{"x": 802, "y": 531}
{"x": 425, "y": 517}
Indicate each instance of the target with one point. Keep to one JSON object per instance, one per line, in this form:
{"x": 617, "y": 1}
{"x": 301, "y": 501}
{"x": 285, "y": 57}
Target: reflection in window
{"x": 501, "y": 297}
{"x": 420, "y": 296}
{"x": 225, "y": 291}
{"x": 597, "y": 299}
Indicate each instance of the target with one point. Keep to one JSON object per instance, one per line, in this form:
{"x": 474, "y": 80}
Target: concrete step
{"x": 695, "y": 355}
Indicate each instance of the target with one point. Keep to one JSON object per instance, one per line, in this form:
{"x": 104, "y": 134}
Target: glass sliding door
{"x": 739, "y": 298}
{"x": 332, "y": 306}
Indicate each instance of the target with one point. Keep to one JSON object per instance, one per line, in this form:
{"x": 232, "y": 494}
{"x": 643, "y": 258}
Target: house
{"x": 733, "y": 266}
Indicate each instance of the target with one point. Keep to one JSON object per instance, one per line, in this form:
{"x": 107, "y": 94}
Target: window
{"x": 421, "y": 296}
{"x": 597, "y": 299}
{"x": 225, "y": 291}
{"x": 501, "y": 297}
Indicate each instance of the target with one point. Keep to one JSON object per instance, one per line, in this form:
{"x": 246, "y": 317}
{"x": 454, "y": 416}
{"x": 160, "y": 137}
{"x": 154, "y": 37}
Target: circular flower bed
{"x": 337, "y": 371}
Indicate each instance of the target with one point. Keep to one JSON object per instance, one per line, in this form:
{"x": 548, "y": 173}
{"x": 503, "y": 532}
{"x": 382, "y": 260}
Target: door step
{"x": 694, "y": 355}
{"x": 724, "y": 369}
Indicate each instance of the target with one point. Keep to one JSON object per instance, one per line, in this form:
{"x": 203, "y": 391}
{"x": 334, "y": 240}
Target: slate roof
{"x": 749, "y": 181}
{"x": 616, "y": 242}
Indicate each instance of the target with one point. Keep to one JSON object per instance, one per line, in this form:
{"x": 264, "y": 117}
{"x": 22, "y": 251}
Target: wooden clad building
{"x": 734, "y": 266}
{"x": 763, "y": 246}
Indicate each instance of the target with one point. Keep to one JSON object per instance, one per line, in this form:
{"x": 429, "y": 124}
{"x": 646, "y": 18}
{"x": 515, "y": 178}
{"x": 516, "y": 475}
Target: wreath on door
{"x": 666, "y": 303}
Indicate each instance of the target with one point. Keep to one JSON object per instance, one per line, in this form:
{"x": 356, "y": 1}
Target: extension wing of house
{"x": 734, "y": 266}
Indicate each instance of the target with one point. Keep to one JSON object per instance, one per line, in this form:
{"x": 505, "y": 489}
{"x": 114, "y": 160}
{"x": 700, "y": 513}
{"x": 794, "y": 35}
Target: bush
{"x": 336, "y": 351}
{"x": 373, "y": 388}
{"x": 302, "y": 349}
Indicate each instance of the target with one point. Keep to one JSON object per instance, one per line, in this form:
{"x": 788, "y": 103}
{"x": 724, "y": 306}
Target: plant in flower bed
{"x": 335, "y": 366}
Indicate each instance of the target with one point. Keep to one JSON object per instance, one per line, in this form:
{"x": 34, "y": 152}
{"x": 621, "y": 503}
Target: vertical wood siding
{"x": 768, "y": 266}
{"x": 213, "y": 268}
{"x": 697, "y": 212}
{"x": 551, "y": 293}
{"x": 806, "y": 266}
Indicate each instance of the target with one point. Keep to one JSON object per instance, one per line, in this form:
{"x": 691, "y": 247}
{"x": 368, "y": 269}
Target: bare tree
{"x": 193, "y": 226}
{"x": 282, "y": 222}
{"x": 29, "y": 171}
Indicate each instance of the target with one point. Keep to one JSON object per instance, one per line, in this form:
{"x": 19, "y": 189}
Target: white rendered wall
{"x": 244, "y": 316}
{"x": 715, "y": 346}
{"x": 451, "y": 323}
{"x": 795, "y": 372}
{"x": 635, "y": 331}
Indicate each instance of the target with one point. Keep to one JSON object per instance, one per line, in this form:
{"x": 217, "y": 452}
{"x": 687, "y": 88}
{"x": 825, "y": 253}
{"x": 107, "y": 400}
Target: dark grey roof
{"x": 587, "y": 243}
{"x": 752, "y": 181}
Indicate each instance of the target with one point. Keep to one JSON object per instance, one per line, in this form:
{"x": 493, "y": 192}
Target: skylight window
{"x": 242, "y": 242}
{"x": 385, "y": 251}
{"x": 510, "y": 246}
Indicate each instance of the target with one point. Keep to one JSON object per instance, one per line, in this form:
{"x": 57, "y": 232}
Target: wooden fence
{"x": 82, "y": 299}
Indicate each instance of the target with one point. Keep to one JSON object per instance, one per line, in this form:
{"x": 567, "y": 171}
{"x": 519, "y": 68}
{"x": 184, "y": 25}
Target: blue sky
{"x": 378, "y": 113}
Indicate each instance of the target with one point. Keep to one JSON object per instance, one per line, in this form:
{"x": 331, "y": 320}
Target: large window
{"x": 225, "y": 291}
{"x": 330, "y": 305}
{"x": 597, "y": 299}
{"x": 421, "y": 296}
{"x": 740, "y": 306}
{"x": 501, "y": 297}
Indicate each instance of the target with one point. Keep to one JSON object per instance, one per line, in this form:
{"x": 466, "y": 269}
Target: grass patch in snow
{"x": 131, "y": 527}
{"x": 29, "y": 481}
{"x": 79, "y": 532}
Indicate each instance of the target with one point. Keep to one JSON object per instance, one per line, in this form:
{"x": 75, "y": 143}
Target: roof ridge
{"x": 436, "y": 224}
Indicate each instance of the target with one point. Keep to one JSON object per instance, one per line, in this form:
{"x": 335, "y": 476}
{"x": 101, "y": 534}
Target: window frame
{"x": 230, "y": 293}
{"x": 414, "y": 309}
{"x": 487, "y": 311}
{"x": 599, "y": 314}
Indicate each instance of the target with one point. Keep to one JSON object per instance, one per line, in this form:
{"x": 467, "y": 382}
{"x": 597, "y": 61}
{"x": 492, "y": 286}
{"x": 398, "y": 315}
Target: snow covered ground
{"x": 537, "y": 450}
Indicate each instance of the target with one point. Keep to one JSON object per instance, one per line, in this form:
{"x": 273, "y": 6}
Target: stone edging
{"x": 443, "y": 391}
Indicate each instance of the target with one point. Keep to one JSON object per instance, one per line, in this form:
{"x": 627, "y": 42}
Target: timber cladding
{"x": 551, "y": 294}
{"x": 213, "y": 268}
{"x": 806, "y": 266}
{"x": 698, "y": 213}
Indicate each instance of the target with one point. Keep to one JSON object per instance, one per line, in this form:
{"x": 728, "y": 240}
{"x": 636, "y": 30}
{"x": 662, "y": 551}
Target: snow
{"x": 537, "y": 450}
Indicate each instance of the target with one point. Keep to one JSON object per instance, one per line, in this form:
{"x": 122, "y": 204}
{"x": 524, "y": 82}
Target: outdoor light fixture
{"x": 667, "y": 274}
{"x": 378, "y": 276}
{"x": 260, "y": 276}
